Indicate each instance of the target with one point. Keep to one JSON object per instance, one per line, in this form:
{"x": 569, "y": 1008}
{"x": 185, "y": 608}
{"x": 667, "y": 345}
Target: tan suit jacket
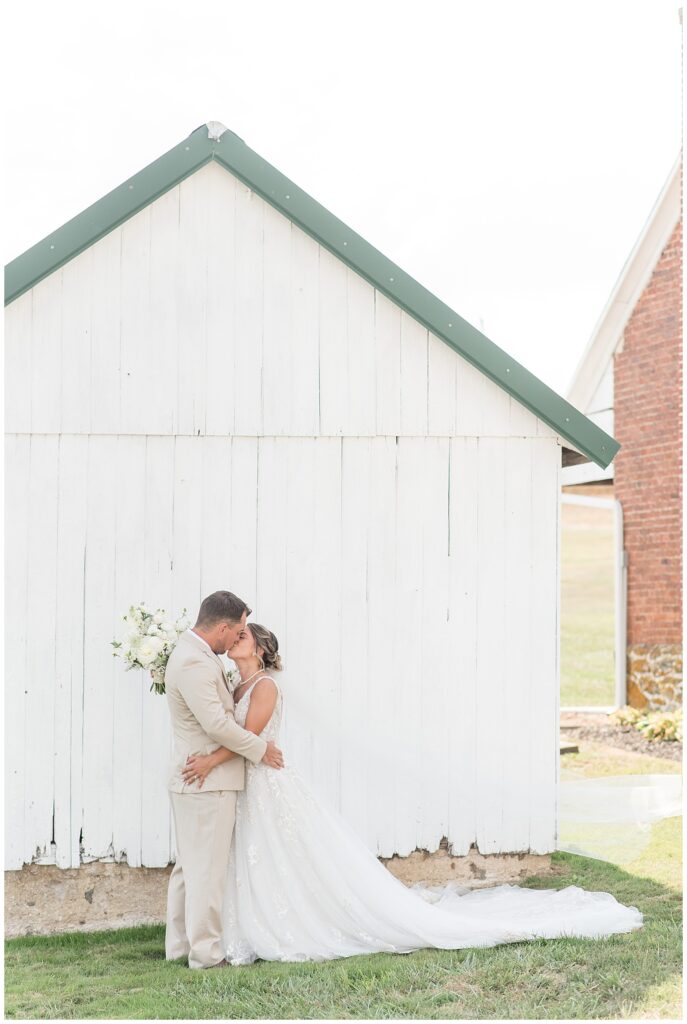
{"x": 201, "y": 707}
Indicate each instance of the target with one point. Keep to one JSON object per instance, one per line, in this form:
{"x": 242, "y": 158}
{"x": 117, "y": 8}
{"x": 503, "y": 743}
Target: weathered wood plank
{"x": 301, "y": 674}
{"x": 102, "y": 623}
{"x": 520, "y": 521}
{"x": 362, "y": 389}
{"x": 46, "y": 356}
{"x": 39, "y": 684}
{"x": 129, "y": 686}
{"x": 334, "y": 372}
{"x": 216, "y": 529}
{"x": 387, "y": 335}
{"x": 191, "y": 299}
{"x": 269, "y": 598}
{"x": 74, "y": 382}
{"x": 438, "y": 676}
{"x": 383, "y": 610}
{"x": 105, "y": 394}
{"x": 414, "y": 358}
{"x": 69, "y": 646}
{"x": 18, "y": 376}
{"x": 355, "y": 682}
{"x": 324, "y": 624}
{"x": 17, "y": 506}
{"x": 136, "y": 324}
{"x": 279, "y": 344}
{"x": 157, "y": 575}
{"x": 491, "y": 662}
{"x": 163, "y": 357}
{"x": 220, "y": 312}
{"x": 305, "y": 386}
{"x": 407, "y": 640}
{"x": 442, "y": 369}
{"x": 461, "y": 706}
{"x": 242, "y": 537}
{"x": 248, "y": 316}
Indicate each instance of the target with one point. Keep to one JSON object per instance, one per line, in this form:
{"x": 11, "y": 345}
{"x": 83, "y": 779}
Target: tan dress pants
{"x": 203, "y": 824}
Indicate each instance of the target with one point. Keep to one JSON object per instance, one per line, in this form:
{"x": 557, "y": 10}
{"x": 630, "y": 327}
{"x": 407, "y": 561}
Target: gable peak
{"x": 216, "y": 130}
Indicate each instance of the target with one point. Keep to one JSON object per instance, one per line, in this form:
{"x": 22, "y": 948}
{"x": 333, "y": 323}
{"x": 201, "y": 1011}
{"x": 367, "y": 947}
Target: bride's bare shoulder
{"x": 265, "y": 687}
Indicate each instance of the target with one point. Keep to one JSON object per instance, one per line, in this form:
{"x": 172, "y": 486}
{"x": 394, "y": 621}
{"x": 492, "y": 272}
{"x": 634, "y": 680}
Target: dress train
{"x": 303, "y": 886}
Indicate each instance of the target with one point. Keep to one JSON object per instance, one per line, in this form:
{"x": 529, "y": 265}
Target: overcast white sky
{"x": 506, "y": 155}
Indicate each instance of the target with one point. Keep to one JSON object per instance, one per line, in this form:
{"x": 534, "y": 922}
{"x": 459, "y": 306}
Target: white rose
{"x": 149, "y": 650}
{"x": 146, "y": 656}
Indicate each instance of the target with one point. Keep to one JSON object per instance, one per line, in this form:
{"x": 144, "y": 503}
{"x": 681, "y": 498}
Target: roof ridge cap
{"x": 216, "y": 130}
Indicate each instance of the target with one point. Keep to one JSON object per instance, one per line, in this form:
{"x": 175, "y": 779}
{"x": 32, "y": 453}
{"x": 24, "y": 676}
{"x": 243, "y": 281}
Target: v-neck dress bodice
{"x": 271, "y": 730}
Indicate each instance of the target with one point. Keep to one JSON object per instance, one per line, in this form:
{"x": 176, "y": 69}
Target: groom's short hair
{"x": 222, "y": 606}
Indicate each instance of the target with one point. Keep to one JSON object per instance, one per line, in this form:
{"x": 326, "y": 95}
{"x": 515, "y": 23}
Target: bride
{"x": 303, "y": 886}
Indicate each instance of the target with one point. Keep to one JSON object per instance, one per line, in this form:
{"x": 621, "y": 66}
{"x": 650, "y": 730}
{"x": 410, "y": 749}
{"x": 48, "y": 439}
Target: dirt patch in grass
{"x": 577, "y": 726}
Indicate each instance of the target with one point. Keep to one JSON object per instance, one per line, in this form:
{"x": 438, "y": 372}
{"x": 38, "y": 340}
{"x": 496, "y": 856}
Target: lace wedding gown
{"x": 303, "y": 886}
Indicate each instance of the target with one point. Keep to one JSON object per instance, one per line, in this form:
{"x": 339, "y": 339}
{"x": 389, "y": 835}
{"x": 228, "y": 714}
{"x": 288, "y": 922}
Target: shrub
{"x": 627, "y": 715}
{"x": 654, "y": 725}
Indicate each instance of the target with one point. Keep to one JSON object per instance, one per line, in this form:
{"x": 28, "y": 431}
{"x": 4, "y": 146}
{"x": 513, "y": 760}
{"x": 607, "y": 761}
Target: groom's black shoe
{"x": 222, "y": 963}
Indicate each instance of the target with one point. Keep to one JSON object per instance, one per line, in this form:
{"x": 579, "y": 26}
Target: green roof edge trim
{"x": 105, "y": 214}
{"x": 275, "y": 188}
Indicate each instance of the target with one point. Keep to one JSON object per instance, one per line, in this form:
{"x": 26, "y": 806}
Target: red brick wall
{"x": 648, "y": 467}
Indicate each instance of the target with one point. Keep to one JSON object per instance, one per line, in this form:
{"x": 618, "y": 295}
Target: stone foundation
{"x": 43, "y": 899}
{"x": 654, "y": 676}
{"x": 476, "y": 870}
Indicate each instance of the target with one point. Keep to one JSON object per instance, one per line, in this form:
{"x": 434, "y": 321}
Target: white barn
{"x": 212, "y": 382}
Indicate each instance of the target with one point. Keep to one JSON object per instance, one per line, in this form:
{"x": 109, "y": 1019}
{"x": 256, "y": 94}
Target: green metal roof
{"x": 214, "y": 142}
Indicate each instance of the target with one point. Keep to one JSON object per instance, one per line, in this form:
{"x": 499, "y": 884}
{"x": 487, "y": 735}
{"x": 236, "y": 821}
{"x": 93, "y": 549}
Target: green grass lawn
{"x": 123, "y": 974}
{"x": 597, "y": 759}
{"x": 587, "y": 607}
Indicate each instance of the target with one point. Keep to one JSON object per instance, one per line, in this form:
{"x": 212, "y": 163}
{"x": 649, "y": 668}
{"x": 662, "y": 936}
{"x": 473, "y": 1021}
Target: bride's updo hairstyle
{"x": 270, "y": 645}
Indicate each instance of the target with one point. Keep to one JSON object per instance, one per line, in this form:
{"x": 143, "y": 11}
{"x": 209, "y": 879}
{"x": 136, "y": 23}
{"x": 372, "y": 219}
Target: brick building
{"x": 629, "y": 381}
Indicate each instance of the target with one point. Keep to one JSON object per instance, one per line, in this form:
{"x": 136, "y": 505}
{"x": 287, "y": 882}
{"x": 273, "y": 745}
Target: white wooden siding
{"x": 17, "y": 449}
{"x": 412, "y": 584}
{"x": 210, "y": 313}
{"x": 206, "y": 398}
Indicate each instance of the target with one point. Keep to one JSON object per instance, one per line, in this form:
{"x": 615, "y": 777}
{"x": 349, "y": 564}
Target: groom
{"x": 202, "y": 711}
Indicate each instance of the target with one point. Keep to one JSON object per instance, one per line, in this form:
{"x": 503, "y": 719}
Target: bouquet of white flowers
{"x": 148, "y": 641}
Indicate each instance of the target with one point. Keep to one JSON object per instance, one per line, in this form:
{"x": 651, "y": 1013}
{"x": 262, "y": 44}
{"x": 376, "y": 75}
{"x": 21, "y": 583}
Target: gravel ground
{"x": 577, "y": 726}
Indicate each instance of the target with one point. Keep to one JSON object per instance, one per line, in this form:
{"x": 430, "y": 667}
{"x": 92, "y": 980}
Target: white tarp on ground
{"x": 611, "y": 818}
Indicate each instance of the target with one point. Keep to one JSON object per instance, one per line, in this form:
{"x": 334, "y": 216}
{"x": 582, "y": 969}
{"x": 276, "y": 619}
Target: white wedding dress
{"x": 303, "y": 886}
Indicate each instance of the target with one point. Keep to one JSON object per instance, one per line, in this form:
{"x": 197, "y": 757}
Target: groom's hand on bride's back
{"x": 273, "y": 756}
